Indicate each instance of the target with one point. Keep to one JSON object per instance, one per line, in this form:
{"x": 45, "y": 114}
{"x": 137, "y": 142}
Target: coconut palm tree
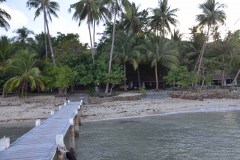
{"x": 26, "y": 74}
{"x": 191, "y": 49}
{"x": 48, "y": 8}
{"x": 176, "y": 36}
{"x": 126, "y": 52}
{"x": 103, "y": 15}
{"x": 134, "y": 21}
{"x": 221, "y": 53}
{"x": 116, "y": 6}
{"x": 3, "y": 16}
{"x": 163, "y": 17}
{"x": 23, "y": 35}
{"x": 161, "y": 51}
{"x": 235, "y": 41}
{"x": 6, "y": 50}
{"x": 211, "y": 16}
{"x": 93, "y": 11}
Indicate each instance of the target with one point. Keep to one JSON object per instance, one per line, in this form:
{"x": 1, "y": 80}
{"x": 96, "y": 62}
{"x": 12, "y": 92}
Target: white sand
{"x": 15, "y": 111}
{"x": 149, "y": 107}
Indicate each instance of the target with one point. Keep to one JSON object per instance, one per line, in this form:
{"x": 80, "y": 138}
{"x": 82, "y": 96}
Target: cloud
{"x": 18, "y": 19}
{"x": 65, "y": 24}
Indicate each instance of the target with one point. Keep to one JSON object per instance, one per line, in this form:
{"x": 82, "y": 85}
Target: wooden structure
{"x": 40, "y": 142}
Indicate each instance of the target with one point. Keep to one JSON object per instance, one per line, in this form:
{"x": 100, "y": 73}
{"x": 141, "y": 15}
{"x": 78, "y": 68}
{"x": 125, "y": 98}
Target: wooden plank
{"x": 40, "y": 142}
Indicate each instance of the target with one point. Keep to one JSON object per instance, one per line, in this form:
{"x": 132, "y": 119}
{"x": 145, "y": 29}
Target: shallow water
{"x": 196, "y": 136}
{"x": 13, "y": 133}
{"x": 181, "y": 136}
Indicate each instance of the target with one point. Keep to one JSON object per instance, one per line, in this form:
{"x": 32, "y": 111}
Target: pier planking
{"x": 40, "y": 142}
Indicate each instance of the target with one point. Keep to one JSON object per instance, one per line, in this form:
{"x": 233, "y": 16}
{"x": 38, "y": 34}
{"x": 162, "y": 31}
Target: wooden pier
{"x": 40, "y": 142}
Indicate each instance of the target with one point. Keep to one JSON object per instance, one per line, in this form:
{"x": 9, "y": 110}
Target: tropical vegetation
{"x": 4, "y": 16}
{"x": 138, "y": 49}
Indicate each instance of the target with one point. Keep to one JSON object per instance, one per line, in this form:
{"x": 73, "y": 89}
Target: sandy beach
{"x": 155, "y": 106}
{"x": 17, "y": 112}
{"x": 23, "y": 112}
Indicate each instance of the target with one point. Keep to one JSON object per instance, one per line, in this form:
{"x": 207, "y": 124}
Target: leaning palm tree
{"x": 48, "y": 8}
{"x": 3, "y": 16}
{"x": 211, "y": 16}
{"x": 116, "y": 7}
{"x": 161, "y": 51}
{"x": 235, "y": 41}
{"x": 26, "y": 74}
{"x": 94, "y": 12}
{"x": 163, "y": 17}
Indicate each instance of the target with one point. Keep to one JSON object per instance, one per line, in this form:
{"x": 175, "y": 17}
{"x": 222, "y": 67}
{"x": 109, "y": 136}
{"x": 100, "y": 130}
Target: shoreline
{"x": 149, "y": 108}
{"x": 160, "y": 114}
{"x": 16, "y": 114}
{"x": 18, "y": 124}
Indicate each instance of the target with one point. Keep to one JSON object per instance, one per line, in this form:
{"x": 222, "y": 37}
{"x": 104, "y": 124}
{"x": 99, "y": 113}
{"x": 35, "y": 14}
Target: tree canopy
{"x": 137, "y": 48}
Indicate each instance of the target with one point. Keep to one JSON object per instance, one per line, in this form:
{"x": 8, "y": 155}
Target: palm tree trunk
{"x": 49, "y": 40}
{"x": 196, "y": 65}
{"x": 163, "y": 34}
{"x": 50, "y": 46}
{"x": 94, "y": 32}
{"x": 202, "y": 52}
{"x": 60, "y": 91}
{"x": 235, "y": 79}
{"x": 156, "y": 74}
{"x": 223, "y": 75}
{"x": 45, "y": 39}
{"x": 65, "y": 91}
{"x": 125, "y": 77}
{"x": 139, "y": 79}
{"x": 23, "y": 89}
{"x": 203, "y": 81}
{"x": 91, "y": 45}
{"x": 3, "y": 94}
{"x": 26, "y": 89}
{"x": 200, "y": 59}
{"x": 112, "y": 47}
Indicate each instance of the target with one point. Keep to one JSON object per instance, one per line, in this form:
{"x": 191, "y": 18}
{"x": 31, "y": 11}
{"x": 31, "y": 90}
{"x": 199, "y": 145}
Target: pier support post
{"x": 38, "y": 122}
{"x": 52, "y": 113}
{"x": 4, "y": 143}
{"x": 60, "y": 156}
{"x": 60, "y": 147}
{"x": 80, "y": 108}
{"x": 76, "y": 124}
{"x": 59, "y": 107}
{"x": 71, "y": 135}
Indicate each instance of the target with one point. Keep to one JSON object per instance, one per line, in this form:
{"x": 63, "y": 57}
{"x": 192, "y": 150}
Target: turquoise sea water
{"x": 181, "y": 136}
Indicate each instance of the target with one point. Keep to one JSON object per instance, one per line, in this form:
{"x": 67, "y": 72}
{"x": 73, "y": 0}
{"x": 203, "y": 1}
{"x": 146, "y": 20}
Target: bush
{"x": 181, "y": 76}
{"x": 142, "y": 90}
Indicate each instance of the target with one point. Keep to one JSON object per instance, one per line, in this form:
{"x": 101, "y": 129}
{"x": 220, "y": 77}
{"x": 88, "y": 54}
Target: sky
{"x": 188, "y": 9}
